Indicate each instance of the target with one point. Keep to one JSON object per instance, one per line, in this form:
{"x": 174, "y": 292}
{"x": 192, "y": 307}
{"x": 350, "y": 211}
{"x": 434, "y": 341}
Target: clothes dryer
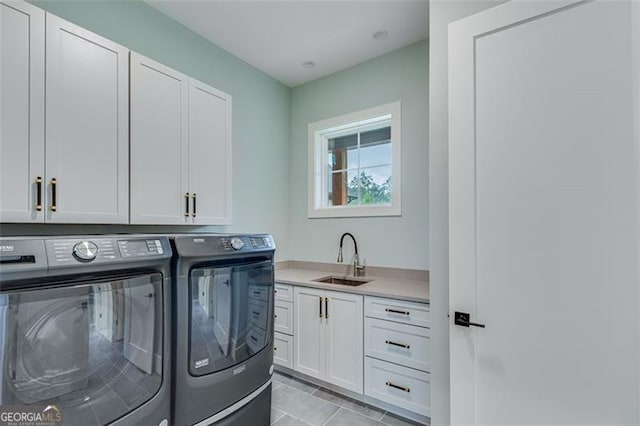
{"x": 223, "y": 309}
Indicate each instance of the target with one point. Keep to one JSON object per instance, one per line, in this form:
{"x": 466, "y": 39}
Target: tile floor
{"x": 297, "y": 403}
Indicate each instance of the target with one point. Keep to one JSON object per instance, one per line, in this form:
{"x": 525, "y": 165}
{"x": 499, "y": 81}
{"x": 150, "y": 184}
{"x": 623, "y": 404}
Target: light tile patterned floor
{"x": 297, "y": 403}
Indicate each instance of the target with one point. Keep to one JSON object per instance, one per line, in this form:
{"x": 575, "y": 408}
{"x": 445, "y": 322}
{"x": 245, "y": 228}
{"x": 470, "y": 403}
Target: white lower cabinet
{"x": 405, "y": 387}
{"x": 328, "y": 340}
{"x": 283, "y": 350}
{"x": 398, "y": 353}
{"x": 283, "y": 326}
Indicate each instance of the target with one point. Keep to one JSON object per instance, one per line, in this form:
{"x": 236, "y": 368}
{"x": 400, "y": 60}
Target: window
{"x": 354, "y": 164}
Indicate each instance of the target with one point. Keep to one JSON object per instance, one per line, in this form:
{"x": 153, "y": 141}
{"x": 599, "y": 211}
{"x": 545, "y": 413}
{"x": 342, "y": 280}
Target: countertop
{"x": 394, "y": 288}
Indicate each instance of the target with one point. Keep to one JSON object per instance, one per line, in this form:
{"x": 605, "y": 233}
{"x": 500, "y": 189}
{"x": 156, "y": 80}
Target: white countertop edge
{"x": 392, "y": 288}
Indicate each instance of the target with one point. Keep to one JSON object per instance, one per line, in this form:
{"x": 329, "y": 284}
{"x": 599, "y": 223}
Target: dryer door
{"x": 92, "y": 350}
{"x": 231, "y": 314}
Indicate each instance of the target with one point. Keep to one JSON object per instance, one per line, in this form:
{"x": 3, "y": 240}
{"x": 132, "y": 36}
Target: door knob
{"x": 463, "y": 319}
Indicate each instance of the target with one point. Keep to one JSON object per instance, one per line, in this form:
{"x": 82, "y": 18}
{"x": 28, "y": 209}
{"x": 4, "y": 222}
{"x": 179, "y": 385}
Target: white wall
{"x": 441, "y": 13}
{"x": 383, "y": 241}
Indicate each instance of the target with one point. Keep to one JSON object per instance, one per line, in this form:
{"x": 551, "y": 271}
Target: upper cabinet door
{"x": 209, "y": 154}
{"x": 159, "y": 146}
{"x": 87, "y": 150}
{"x": 21, "y": 112}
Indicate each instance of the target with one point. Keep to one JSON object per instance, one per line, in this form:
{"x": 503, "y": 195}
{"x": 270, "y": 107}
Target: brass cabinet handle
{"x": 402, "y": 345}
{"x": 54, "y": 206}
{"x": 395, "y": 311}
{"x": 186, "y": 204}
{"x": 39, "y": 193}
{"x": 194, "y": 204}
{"x": 320, "y": 308}
{"x": 326, "y": 308}
{"x": 402, "y": 388}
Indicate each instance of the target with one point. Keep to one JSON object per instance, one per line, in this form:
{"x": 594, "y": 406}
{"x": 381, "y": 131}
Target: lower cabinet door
{"x": 283, "y": 350}
{"x": 397, "y": 385}
{"x": 310, "y": 350}
{"x": 283, "y": 321}
{"x": 344, "y": 351}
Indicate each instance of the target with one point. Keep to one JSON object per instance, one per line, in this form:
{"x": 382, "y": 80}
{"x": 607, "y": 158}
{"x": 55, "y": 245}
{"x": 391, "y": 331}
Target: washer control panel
{"x": 137, "y": 248}
{"x": 62, "y": 252}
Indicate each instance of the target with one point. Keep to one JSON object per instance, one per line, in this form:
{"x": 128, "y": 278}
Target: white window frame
{"x": 317, "y": 166}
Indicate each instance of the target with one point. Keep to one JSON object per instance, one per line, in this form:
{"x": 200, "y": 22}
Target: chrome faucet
{"x": 358, "y": 270}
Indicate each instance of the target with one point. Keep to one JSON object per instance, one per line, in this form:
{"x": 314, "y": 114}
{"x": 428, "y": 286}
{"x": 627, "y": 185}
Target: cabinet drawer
{"x": 283, "y": 317}
{"x": 283, "y": 350}
{"x": 259, "y": 292}
{"x": 397, "y": 385}
{"x": 284, "y": 292}
{"x": 399, "y": 343}
{"x": 398, "y": 310}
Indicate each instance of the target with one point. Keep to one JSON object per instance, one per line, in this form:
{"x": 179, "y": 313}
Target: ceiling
{"x": 278, "y": 36}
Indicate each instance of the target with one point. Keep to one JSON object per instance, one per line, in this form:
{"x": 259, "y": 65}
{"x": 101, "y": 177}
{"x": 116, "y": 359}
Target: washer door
{"x": 94, "y": 351}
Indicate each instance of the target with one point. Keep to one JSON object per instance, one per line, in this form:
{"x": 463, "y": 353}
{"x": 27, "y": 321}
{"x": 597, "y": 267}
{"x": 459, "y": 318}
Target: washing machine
{"x": 85, "y": 334}
{"x": 223, "y": 329}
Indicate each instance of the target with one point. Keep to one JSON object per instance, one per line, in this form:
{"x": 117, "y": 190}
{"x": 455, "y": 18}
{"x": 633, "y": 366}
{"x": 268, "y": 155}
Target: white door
{"x": 544, "y": 200}
{"x": 222, "y": 296}
{"x": 344, "y": 317}
{"x": 309, "y": 353}
{"x": 21, "y": 112}
{"x": 209, "y": 154}
{"x": 87, "y": 126}
{"x": 159, "y": 147}
{"x": 140, "y": 312}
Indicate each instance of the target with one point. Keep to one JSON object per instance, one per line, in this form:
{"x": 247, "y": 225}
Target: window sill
{"x": 360, "y": 211}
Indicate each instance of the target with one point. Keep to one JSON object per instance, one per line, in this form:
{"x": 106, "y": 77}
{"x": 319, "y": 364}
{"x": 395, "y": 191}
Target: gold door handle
{"x": 54, "y": 184}
{"x": 186, "y": 205}
{"x": 39, "y": 193}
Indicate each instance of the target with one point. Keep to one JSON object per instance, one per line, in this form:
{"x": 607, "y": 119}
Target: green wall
{"x": 260, "y": 113}
{"x": 384, "y": 241}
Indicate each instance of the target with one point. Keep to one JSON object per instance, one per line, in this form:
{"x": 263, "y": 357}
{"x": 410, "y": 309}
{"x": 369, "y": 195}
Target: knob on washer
{"x": 236, "y": 243}
{"x": 85, "y": 251}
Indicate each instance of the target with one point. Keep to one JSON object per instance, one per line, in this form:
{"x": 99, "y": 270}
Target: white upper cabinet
{"x": 180, "y": 148}
{"x": 21, "y": 112}
{"x": 87, "y": 109}
{"x": 209, "y": 154}
{"x": 159, "y": 148}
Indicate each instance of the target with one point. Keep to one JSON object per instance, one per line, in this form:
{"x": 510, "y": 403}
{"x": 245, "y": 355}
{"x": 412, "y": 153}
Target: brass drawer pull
{"x": 402, "y": 388}
{"x": 395, "y": 311}
{"x": 39, "y": 193}
{"x": 402, "y": 345}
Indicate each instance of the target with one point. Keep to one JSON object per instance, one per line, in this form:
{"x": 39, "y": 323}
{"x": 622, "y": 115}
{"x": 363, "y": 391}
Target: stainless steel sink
{"x": 343, "y": 280}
